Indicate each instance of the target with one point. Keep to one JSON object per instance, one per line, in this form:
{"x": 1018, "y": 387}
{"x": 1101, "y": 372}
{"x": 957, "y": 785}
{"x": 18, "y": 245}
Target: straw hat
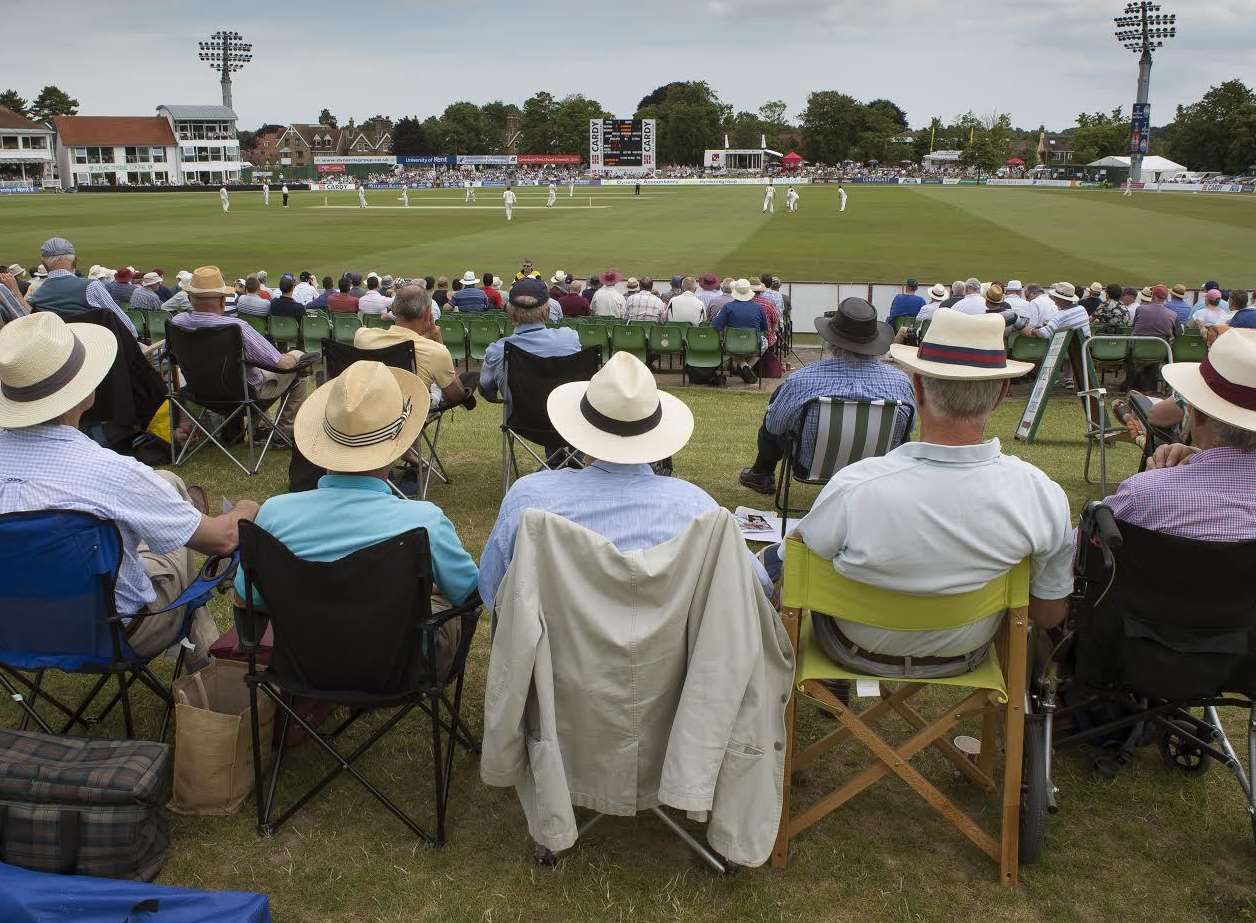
{"x": 362, "y": 420}
{"x": 1064, "y": 291}
{"x": 470, "y": 278}
{"x": 1223, "y": 386}
{"x": 1095, "y": 288}
{"x": 742, "y": 290}
{"x": 207, "y": 280}
{"x": 1178, "y": 291}
{"x": 994, "y": 293}
{"x": 939, "y": 292}
{"x": 1144, "y": 295}
{"x": 559, "y": 278}
{"x": 620, "y": 415}
{"x": 48, "y": 367}
{"x": 961, "y": 347}
{"x": 633, "y": 285}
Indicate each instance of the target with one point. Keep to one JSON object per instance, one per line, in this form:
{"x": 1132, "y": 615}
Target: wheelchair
{"x": 1144, "y": 658}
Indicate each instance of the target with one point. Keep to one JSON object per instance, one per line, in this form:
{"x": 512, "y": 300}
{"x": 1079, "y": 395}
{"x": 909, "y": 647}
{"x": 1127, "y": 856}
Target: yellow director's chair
{"x": 997, "y": 685}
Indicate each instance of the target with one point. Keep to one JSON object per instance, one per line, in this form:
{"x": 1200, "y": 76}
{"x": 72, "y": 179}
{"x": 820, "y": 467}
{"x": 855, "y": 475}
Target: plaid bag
{"x": 79, "y": 806}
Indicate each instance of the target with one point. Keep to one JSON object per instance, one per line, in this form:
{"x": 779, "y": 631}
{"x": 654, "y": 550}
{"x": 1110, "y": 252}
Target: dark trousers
{"x": 285, "y": 200}
{"x": 771, "y": 450}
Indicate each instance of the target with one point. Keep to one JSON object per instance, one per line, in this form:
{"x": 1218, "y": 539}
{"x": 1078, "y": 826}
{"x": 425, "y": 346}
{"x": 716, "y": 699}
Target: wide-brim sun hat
{"x": 559, "y": 278}
{"x": 961, "y": 347}
{"x": 49, "y": 367}
{"x": 1064, "y": 291}
{"x": 742, "y": 290}
{"x": 619, "y": 415}
{"x": 855, "y": 327}
{"x": 939, "y": 292}
{"x": 207, "y": 280}
{"x": 610, "y": 277}
{"x": 470, "y": 278}
{"x": 363, "y": 419}
{"x": 1223, "y": 386}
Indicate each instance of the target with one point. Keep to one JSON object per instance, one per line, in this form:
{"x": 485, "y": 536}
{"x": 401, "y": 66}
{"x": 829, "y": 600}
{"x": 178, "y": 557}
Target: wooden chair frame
{"x": 1011, "y": 646}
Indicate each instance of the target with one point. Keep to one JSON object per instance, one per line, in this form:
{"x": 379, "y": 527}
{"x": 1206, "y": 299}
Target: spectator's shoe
{"x": 747, "y": 374}
{"x": 759, "y": 483}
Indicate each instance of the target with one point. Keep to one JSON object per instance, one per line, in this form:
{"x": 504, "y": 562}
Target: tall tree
{"x": 11, "y": 100}
{"x": 990, "y": 139}
{"x": 410, "y": 138}
{"x": 464, "y": 129}
{"x": 1100, "y": 134}
{"x": 537, "y": 125}
{"x": 689, "y": 117}
{"x": 1216, "y": 133}
{"x": 53, "y": 101}
{"x": 831, "y": 124}
{"x": 891, "y": 112}
{"x": 326, "y": 118}
{"x": 571, "y": 123}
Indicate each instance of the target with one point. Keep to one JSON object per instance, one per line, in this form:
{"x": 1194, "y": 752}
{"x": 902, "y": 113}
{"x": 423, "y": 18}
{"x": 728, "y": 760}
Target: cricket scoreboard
{"x": 623, "y": 145}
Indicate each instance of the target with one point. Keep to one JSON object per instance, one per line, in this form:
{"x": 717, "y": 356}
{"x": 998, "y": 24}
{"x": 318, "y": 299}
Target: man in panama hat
{"x": 49, "y": 371}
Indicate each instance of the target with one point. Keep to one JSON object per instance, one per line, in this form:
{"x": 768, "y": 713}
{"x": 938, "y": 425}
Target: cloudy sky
{"x": 1041, "y": 60}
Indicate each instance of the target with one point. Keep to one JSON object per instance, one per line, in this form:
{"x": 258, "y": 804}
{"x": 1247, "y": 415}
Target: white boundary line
{"x": 459, "y": 208}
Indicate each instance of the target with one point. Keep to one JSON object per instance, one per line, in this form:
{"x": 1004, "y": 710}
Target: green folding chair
{"x": 703, "y": 349}
{"x": 454, "y": 332}
{"x": 344, "y": 326}
{"x": 667, "y": 340}
{"x": 482, "y": 332}
{"x": 743, "y": 343}
{"x": 315, "y": 327}
{"x": 1189, "y": 347}
{"x": 626, "y": 338}
{"x": 286, "y": 330}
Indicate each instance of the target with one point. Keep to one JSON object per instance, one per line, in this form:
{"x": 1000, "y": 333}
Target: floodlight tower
{"x": 1141, "y": 29}
{"x": 226, "y": 53}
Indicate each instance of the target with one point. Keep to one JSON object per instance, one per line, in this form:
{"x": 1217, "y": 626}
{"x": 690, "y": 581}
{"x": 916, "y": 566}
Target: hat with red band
{"x": 1223, "y": 386}
{"x": 961, "y": 347}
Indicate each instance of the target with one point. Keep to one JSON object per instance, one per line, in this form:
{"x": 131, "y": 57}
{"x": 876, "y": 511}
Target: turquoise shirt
{"x": 350, "y": 512}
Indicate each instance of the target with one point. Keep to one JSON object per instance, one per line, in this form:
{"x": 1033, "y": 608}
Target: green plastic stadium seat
{"x": 904, "y": 321}
{"x": 667, "y": 340}
{"x": 481, "y": 332}
{"x": 742, "y": 343}
{"x": 703, "y": 348}
{"x": 1148, "y": 353}
{"x": 139, "y": 320}
{"x": 454, "y": 332}
{"x": 286, "y": 330}
{"x": 627, "y": 338}
{"x": 315, "y": 327}
{"x": 155, "y": 323}
{"x": 1189, "y": 347}
{"x": 344, "y": 326}
{"x": 260, "y": 324}
{"x": 1109, "y": 351}
{"x": 594, "y": 335}
{"x": 1030, "y": 348}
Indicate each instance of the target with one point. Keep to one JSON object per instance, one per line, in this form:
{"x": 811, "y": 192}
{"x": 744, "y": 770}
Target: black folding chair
{"x": 358, "y": 632}
{"x": 215, "y": 372}
{"x": 58, "y": 573}
{"x": 525, "y": 419}
{"x": 339, "y": 356}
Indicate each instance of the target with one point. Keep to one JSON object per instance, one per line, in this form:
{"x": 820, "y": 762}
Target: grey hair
{"x": 957, "y": 288}
{"x": 1034, "y": 288}
{"x": 687, "y": 284}
{"x": 972, "y": 286}
{"x": 962, "y": 400}
{"x": 411, "y": 303}
{"x": 726, "y": 286}
{"x": 1232, "y": 437}
{"x": 837, "y": 352}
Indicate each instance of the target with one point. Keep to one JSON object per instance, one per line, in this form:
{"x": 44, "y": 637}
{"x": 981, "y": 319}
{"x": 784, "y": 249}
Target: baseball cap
{"x": 911, "y": 283}
{"x": 529, "y": 292}
{"x": 677, "y": 280}
{"x": 1213, "y": 294}
{"x": 56, "y": 246}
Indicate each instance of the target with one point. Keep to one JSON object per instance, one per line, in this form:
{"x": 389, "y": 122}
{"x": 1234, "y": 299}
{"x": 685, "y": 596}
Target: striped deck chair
{"x": 846, "y": 431}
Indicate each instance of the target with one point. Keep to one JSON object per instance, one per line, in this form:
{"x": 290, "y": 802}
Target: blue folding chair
{"x": 58, "y": 570}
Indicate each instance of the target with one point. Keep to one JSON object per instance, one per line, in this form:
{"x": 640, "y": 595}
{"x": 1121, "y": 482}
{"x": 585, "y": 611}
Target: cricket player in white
{"x": 553, "y": 196}
{"x": 283, "y": 190}
{"x": 508, "y": 197}
{"x": 225, "y": 199}
{"x": 470, "y": 197}
{"x": 841, "y": 195}
{"x": 571, "y": 187}
{"x": 769, "y": 199}
{"x": 791, "y": 200}
{"x": 361, "y": 196}
{"x": 405, "y": 196}
{"x": 1129, "y": 189}
{"x": 265, "y": 193}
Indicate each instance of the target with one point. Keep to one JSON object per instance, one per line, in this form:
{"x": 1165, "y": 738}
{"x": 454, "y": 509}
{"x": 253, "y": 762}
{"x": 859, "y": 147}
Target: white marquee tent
{"x": 1156, "y": 167}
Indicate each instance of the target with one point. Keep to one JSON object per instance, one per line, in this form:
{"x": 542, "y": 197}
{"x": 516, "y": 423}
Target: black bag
{"x": 75, "y": 805}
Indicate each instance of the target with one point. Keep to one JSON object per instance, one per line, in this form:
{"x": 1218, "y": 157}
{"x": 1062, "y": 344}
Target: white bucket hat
{"x": 1013, "y": 285}
{"x": 961, "y": 347}
{"x": 1064, "y": 291}
{"x": 1223, "y": 386}
{"x": 560, "y": 278}
{"x": 48, "y": 367}
{"x": 620, "y": 416}
{"x": 362, "y": 420}
{"x": 470, "y": 278}
{"x": 742, "y": 290}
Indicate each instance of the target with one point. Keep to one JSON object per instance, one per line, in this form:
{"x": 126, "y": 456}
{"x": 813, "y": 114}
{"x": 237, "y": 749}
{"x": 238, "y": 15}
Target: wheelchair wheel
{"x": 1035, "y": 797}
{"x": 1180, "y": 752}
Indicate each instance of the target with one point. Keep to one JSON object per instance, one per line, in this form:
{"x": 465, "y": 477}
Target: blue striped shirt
{"x": 629, "y": 505}
{"x": 850, "y": 380}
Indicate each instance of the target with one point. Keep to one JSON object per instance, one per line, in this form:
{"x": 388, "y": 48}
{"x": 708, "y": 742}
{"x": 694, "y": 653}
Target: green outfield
{"x": 887, "y": 233}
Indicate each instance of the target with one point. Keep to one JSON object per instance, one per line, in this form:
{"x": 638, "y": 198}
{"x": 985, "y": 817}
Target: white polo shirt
{"x": 971, "y": 304}
{"x": 937, "y": 520}
{"x": 374, "y": 303}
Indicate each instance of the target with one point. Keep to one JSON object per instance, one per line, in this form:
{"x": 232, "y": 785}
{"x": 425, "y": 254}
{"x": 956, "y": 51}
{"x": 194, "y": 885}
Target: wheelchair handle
{"x": 1105, "y": 525}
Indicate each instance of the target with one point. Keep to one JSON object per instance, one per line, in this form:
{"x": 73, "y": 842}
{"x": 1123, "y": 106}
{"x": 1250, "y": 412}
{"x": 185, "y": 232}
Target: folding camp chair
{"x": 58, "y": 570}
{"x": 525, "y": 420}
{"x": 388, "y": 656}
{"x": 339, "y": 356}
{"x": 211, "y": 360}
{"x": 812, "y": 585}
{"x": 846, "y": 432}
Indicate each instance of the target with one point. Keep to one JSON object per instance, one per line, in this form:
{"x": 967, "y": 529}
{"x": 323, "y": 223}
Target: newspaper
{"x": 760, "y": 525}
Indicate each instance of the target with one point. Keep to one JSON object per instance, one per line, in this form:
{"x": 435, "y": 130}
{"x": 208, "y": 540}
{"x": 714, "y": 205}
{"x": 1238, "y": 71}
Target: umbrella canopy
{"x": 1015, "y": 162}
{"x": 792, "y": 160}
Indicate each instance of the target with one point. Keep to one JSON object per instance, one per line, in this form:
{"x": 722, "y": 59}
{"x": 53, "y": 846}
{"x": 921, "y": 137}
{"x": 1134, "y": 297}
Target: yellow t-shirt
{"x": 432, "y": 361}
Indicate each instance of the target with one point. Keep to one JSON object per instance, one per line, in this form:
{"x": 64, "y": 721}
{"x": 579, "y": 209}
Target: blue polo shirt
{"x": 471, "y": 300}
{"x": 905, "y": 305}
{"x": 350, "y": 512}
{"x": 1181, "y": 309}
{"x": 741, "y": 314}
{"x": 1245, "y": 318}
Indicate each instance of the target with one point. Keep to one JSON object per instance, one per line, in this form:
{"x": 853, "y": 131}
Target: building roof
{"x": 199, "y": 112}
{"x": 84, "y": 130}
{"x": 11, "y": 119}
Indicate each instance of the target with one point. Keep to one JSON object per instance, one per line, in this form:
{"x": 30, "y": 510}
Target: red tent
{"x": 792, "y": 161}
{"x": 1015, "y": 162}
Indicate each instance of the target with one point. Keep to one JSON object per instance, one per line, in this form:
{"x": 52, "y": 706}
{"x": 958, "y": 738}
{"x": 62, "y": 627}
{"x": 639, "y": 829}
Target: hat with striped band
{"x": 1223, "y": 386}
{"x": 362, "y": 420}
{"x": 961, "y": 347}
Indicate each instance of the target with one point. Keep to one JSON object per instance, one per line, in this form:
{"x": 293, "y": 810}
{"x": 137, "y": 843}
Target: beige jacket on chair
{"x": 619, "y": 682}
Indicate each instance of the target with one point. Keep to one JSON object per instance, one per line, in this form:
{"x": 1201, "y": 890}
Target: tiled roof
{"x": 11, "y": 119}
{"x": 84, "y": 130}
